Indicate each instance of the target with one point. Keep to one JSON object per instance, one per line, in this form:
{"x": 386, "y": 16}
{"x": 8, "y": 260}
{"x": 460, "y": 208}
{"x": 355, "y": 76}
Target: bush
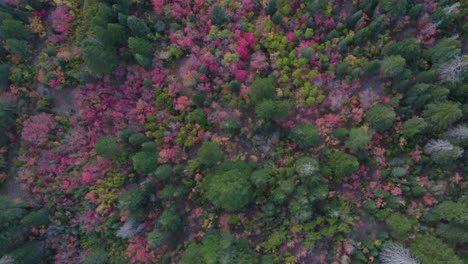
{"x": 413, "y": 126}
{"x": 219, "y": 247}
{"x": 170, "y": 219}
{"x": 358, "y": 139}
{"x": 137, "y": 139}
{"x": 231, "y": 126}
{"x": 97, "y": 256}
{"x": 398, "y": 172}
{"x": 198, "y": 116}
{"x": 157, "y": 238}
{"x": 380, "y": 117}
{"x": 114, "y": 35}
{"x": 107, "y": 147}
{"x": 209, "y": 154}
{"x": 408, "y": 48}
{"x": 145, "y": 162}
{"x": 4, "y": 75}
{"x": 98, "y": 59}
{"x": 30, "y": 253}
{"x": 431, "y": 250}
{"x": 265, "y": 109}
{"x": 305, "y": 135}
{"x": 372, "y": 68}
{"x": 140, "y": 46}
{"x": 393, "y": 67}
{"x": 260, "y": 178}
{"x": 229, "y": 190}
{"x": 217, "y": 15}
{"x": 36, "y": 218}
{"x": 14, "y": 29}
{"x": 125, "y": 135}
{"x": 164, "y": 172}
{"x": 308, "y": 169}
{"x": 443, "y": 114}
{"x": 137, "y": 26}
{"x": 400, "y": 225}
{"x": 300, "y": 208}
{"x": 342, "y": 164}
{"x": 132, "y": 200}
{"x": 149, "y": 146}
{"x": 19, "y": 47}
{"x": 263, "y": 89}
{"x": 393, "y": 7}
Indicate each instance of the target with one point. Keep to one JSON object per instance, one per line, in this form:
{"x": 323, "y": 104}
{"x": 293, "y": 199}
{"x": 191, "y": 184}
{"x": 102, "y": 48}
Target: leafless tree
{"x": 394, "y": 253}
{"x": 437, "y": 146}
{"x": 458, "y": 133}
{"x": 452, "y": 71}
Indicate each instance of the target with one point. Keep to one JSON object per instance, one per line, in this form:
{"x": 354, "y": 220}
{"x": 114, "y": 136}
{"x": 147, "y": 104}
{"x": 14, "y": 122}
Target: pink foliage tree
{"x": 60, "y": 19}
{"x": 36, "y": 128}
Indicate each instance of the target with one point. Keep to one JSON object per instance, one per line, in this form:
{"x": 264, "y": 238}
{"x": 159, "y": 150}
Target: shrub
{"x": 219, "y": 247}
{"x": 394, "y": 253}
{"x": 209, "y": 154}
{"x": 454, "y": 233}
{"x": 19, "y": 47}
{"x": 260, "y": 178}
{"x": 132, "y": 200}
{"x": 30, "y": 253}
{"x": 270, "y": 109}
{"x": 393, "y": 7}
{"x": 107, "y": 147}
{"x": 342, "y": 164}
{"x": 358, "y": 139}
{"x": 4, "y": 75}
{"x": 230, "y": 190}
{"x": 380, "y": 117}
{"x": 408, "y": 48}
{"x": 442, "y": 115}
{"x": 97, "y": 256}
{"x": 263, "y": 89}
{"x": 140, "y": 46}
{"x": 157, "y": 238}
{"x": 164, "y": 172}
{"x": 145, "y": 162}
{"x": 300, "y": 208}
{"x": 400, "y": 225}
{"x": 398, "y": 172}
{"x": 340, "y": 133}
{"x": 125, "y": 135}
{"x": 137, "y": 139}
{"x": 231, "y": 126}
{"x": 98, "y": 59}
{"x": 172, "y": 192}
{"x": 14, "y": 29}
{"x": 149, "y": 146}
{"x": 218, "y": 15}
{"x": 305, "y": 135}
{"x": 431, "y": 250}
{"x": 393, "y": 66}
{"x": 265, "y": 109}
{"x": 137, "y": 26}
{"x": 198, "y": 116}
{"x": 308, "y": 169}
{"x": 36, "y": 218}
{"x": 170, "y": 219}
{"x": 413, "y": 126}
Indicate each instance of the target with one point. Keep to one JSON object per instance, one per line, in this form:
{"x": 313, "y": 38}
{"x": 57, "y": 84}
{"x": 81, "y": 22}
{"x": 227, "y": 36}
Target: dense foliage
{"x": 274, "y": 131}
